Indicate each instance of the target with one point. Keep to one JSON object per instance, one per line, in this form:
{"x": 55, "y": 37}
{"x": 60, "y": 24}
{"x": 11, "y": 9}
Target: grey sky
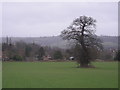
{"x": 50, "y": 18}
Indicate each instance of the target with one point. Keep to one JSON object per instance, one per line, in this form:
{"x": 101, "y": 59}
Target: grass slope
{"x": 59, "y": 75}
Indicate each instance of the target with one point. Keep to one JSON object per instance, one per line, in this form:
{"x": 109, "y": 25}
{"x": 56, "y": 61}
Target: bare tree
{"x": 82, "y": 30}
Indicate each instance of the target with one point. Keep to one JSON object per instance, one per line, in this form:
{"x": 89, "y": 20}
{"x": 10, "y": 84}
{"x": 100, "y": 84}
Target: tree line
{"x": 21, "y": 51}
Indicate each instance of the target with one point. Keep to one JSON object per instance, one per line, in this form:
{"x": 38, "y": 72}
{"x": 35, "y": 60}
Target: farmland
{"x": 59, "y": 75}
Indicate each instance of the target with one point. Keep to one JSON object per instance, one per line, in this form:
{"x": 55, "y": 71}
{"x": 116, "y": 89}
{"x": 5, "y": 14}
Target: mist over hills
{"x": 57, "y": 41}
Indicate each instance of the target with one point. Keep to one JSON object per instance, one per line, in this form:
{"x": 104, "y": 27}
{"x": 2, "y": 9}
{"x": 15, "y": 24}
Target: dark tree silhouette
{"x": 41, "y": 53}
{"x": 57, "y": 55}
{"x": 82, "y": 30}
{"x": 117, "y": 57}
{"x": 28, "y": 50}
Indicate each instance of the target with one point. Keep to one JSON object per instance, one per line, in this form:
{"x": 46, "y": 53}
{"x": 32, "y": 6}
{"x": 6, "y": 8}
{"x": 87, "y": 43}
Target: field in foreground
{"x": 59, "y": 75}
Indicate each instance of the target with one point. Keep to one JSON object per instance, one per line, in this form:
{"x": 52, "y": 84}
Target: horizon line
{"x": 53, "y": 36}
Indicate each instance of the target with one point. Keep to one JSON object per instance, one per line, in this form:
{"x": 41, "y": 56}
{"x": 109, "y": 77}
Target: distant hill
{"x": 110, "y": 41}
{"x": 57, "y": 41}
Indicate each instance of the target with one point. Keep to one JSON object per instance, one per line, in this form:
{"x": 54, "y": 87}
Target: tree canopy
{"x": 82, "y": 31}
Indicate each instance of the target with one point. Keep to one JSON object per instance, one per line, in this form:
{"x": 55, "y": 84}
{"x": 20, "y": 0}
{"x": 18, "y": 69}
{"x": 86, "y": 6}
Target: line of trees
{"x": 21, "y": 51}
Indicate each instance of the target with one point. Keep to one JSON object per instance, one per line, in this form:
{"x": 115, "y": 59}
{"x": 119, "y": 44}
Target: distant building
{"x": 46, "y": 58}
{"x": 71, "y": 58}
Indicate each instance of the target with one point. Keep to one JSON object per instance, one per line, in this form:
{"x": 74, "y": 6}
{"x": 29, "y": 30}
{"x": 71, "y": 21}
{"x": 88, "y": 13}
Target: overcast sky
{"x": 50, "y": 18}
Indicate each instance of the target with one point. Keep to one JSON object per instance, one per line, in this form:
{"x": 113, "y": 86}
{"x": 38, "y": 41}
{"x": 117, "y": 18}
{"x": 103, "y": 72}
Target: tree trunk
{"x": 85, "y": 55}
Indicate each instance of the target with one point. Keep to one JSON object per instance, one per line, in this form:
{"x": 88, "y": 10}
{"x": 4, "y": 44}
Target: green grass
{"x": 59, "y": 75}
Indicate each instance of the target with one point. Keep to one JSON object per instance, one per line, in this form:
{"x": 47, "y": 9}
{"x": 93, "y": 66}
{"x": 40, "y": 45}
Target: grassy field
{"x": 59, "y": 75}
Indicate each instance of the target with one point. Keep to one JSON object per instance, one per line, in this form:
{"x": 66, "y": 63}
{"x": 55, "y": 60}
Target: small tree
{"x": 41, "y": 53}
{"x": 28, "y": 50}
{"x": 17, "y": 58}
{"x": 82, "y": 30}
{"x": 58, "y": 55}
{"x": 117, "y": 57}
